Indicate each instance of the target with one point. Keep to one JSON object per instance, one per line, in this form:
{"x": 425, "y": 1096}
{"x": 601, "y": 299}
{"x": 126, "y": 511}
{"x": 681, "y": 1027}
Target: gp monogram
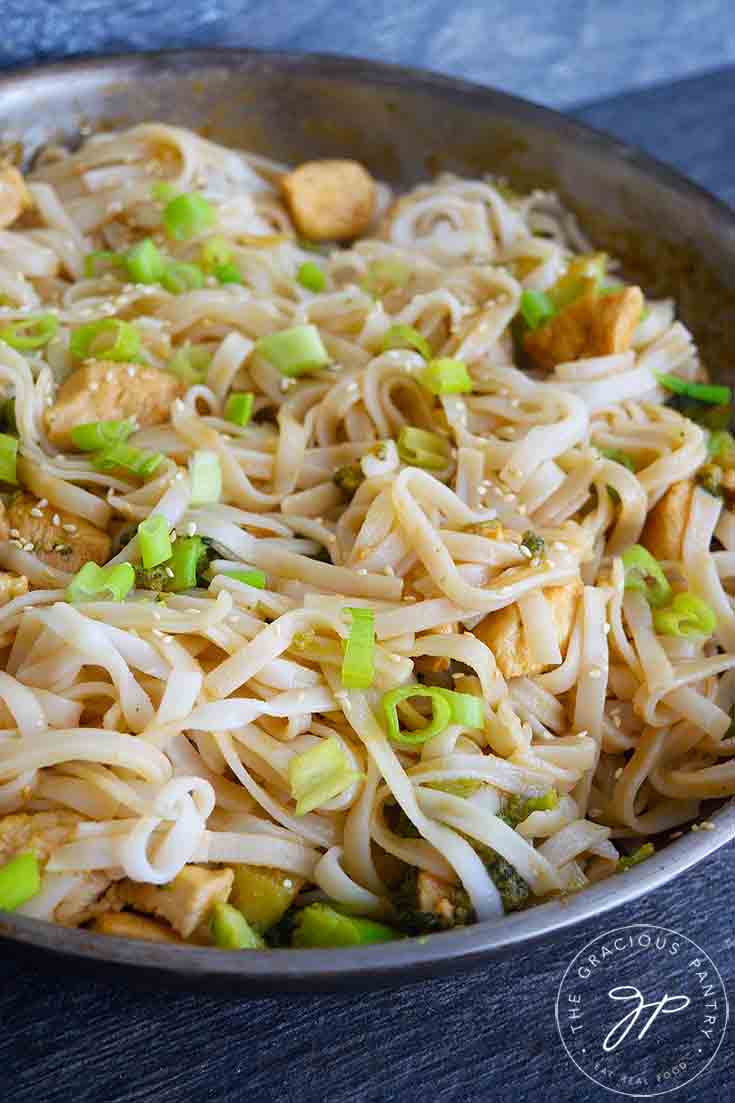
{"x": 642, "y": 1010}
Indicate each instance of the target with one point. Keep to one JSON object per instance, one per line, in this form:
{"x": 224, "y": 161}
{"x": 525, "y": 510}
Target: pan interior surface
{"x": 405, "y": 126}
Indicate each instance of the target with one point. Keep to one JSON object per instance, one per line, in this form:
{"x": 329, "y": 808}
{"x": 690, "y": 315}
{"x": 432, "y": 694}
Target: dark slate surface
{"x": 487, "y": 1035}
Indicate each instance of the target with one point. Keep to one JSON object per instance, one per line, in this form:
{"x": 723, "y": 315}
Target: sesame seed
{"x": 156, "y": 615}
{"x": 28, "y": 547}
{"x": 559, "y": 545}
{"x": 191, "y": 528}
{"x": 109, "y": 375}
{"x": 15, "y": 533}
{"x": 695, "y": 827}
{"x": 94, "y": 386}
{"x": 169, "y": 572}
{"x": 582, "y": 734}
{"x": 387, "y": 569}
{"x": 36, "y": 512}
{"x": 617, "y": 720}
{"x": 362, "y": 570}
{"x": 607, "y": 628}
{"x": 706, "y": 825}
{"x": 131, "y": 371}
{"x": 618, "y": 773}
{"x": 525, "y": 551}
{"x": 595, "y": 672}
{"x": 43, "y": 503}
{"x": 69, "y": 528}
{"x": 56, "y": 520}
{"x": 158, "y": 632}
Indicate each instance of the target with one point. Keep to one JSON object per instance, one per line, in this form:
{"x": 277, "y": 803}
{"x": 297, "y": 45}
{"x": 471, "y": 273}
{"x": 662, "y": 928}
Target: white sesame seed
{"x": 43, "y": 503}
{"x": 608, "y": 628}
{"x": 617, "y": 720}
{"x": 131, "y": 371}
{"x": 582, "y": 734}
{"x": 618, "y": 773}
{"x": 69, "y": 528}
{"x": 525, "y": 551}
{"x": 14, "y": 532}
{"x": 156, "y": 615}
{"x": 169, "y": 572}
{"x": 191, "y": 528}
{"x": 94, "y": 385}
{"x": 56, "y": 520}
{"x": 109, "y": 375}
{"x": 36, "y": 512}
{"x": 158, "y": 632}
{"x": 28, "y": 547}
{"x": 387, "y": 569}
{"x": 706, "y": 825}
{"x": 595, "y": 672}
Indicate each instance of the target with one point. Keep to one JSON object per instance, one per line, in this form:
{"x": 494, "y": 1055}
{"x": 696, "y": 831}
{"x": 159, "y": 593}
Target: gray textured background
{"x": 489, "y": 1036}
{"x": 557, "y": 52}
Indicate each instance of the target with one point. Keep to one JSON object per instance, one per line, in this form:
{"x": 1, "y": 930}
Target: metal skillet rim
{"x": 311, "y": 970}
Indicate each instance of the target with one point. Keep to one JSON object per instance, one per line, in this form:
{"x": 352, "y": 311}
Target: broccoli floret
{"x": 151, "y": 578}
{"x": 535, "y": 544}
{"x": 517, "y": 809}
{"x": 514, "y": 891}
{"x": 639, "y": 855}
{"x": 349, "y": 479}
{"x": 423, "y": 904}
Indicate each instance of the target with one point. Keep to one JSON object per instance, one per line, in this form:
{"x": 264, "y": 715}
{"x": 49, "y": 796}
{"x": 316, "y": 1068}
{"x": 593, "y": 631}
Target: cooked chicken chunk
{"x": 128, "y": 925}
{"x": 436, "y": 897}
{"x": 186, "y": 902}
{"x": 594, "y": 325}
{"x": 664, "y": 529}
{"x": 504, "y": 634}
{"x": 14, "y": 196}
{"x": 85, "y": 901}
{"x": 41, "y": 832}
{"x": 330, "y": 200}
{"x": 436, "y": 664}
{"x": 12, "y": 585}
{"x": 60, "y": 539}
{"x": 102, "y": 391}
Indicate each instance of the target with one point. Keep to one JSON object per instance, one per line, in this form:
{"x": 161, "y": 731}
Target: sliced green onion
{"x": 206, "y": 478}
{"x": 188, "y": 215}
{"x": 448, "y": 707}
{"x": 687, "y": 616}
{"x": 629, "y": 860}
{"x": 311, "y": 276}
{"x": 106, "y": 339}
{"x": 30, "y": 333}
{"x": 228, "y": 273}
{"x": 94, "y": 583}
{"x": 190, "y": 363}
{"x": 584, "y": 274}
{"x": 154, "y": 540}
{"x": 8, "y": 458}
{"x": 144, "y": 262}
{"x": 421, "y": 448}
{"x": 140, "y": 461}
{"x": 319, "y": 774}
{"x": 712, "y": 393}
{"x": 230, "y": 929}
{"x": 536, "y": 308}
{"x": 215, "y": 253}
{"x": 618, "y": 456}
{"x": 358, "y": 668}
{"x": 99, "y": 434}
{"x": 721, "y": 447}
{"x": 179, "y": 277}
{"x": 320, "y": 927}
{"x": 239, "y": 407}
{"x": 100, "y": 256}
{"x": 644, "y": 574}
{"x": 294, "y": 351}
{"x": 406, "y": 337}
{"x": 446, "y": 376}
{"x": 164, "y": 191}
{"x": 185, "y": 558}
{"x": 20, "y": 880}
{"x": 254, "y": 578}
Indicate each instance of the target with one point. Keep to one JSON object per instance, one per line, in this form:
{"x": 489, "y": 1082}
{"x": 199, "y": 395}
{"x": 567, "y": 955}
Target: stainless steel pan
{"x": 404, "y": 125}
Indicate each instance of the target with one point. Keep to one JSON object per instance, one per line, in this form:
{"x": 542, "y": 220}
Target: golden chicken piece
{"x": 85, "y": 901}
{"x": 504, "y": 634}
{"x": 329, "y": 200}
{"x": 185, "y": 902}
{"x": 14, "y": 196}
{"x": 103, "y": 390}
{"x": 436, "y": 897}
{"x": 41, "y": 832}
{"x": 593, "y": 325}
{"x": 11, "y": 586}
{"x": 436, "y": 664}
{"x": 61, "y": 539}
{"x": 665, "y": 525}
{"x": 129, "y": 925}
